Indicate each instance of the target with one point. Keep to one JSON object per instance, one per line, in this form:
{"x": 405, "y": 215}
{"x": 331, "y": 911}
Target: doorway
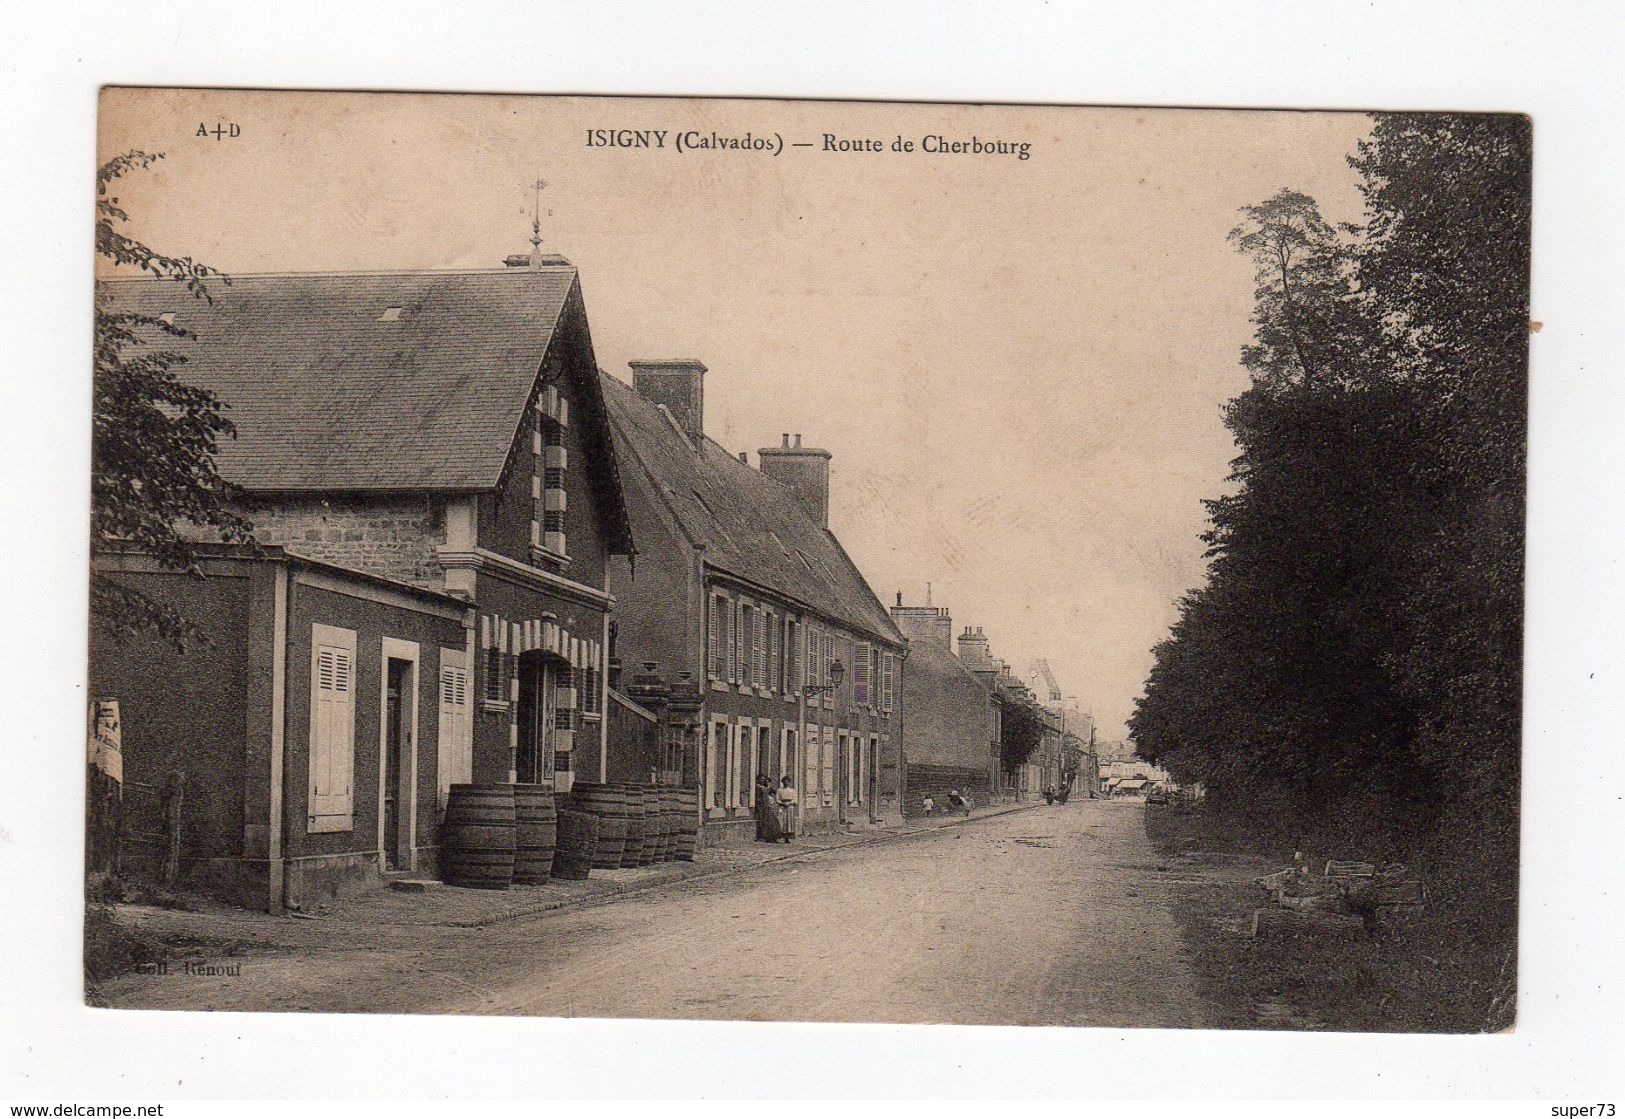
{"x": 764, "y": 756}
{"x": 537, "y": 715}
{"x": 397, "y": 760}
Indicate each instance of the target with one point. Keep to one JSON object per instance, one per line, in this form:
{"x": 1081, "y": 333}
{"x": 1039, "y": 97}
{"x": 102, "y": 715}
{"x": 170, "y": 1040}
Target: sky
{"x": 1018, "y": 365}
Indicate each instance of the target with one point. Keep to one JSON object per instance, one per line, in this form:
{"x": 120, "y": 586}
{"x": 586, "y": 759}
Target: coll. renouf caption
{"x": 695, "y": 140}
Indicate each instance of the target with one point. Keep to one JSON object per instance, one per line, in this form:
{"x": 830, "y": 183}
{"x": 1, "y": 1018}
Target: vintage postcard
{"x": 807, "y": 561}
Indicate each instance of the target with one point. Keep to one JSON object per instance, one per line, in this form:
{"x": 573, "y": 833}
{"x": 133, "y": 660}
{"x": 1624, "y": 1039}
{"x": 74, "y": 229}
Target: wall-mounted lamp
{"x": 837, "y": 673}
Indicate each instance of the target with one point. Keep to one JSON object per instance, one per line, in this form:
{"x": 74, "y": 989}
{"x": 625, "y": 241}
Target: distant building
{"x": 951, "y": 726}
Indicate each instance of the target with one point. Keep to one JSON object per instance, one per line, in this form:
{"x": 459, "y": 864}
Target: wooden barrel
{"x": 578, "y": 841}
{"x": 673, "y": 801}
{"x": 688, "y": 831}
{"x": 637, "y": 828}
{"x": 535, "y": 833}
{"x": 668, "y": 835}
{"x": 654, "y": 824}
{"x": 479, "y": 836}
{"x": 608, "y": 804}
{"x": 654, "y": 848}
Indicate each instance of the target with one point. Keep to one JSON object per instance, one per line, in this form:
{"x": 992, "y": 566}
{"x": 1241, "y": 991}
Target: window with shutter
{"x": 809, "y": 778}
{"x": 860, "y": 674}
{"x": 747, "y": 643}
{"x": 332, "y": 729}
{"x": 759, "y": 661}
{"x": 888, "y": 682}
{"x": 733, "y": 639}
{"x": 774, "y": 624}
{"x": 713, "y": 662}
{"x": 826, "y": 787}
{"x": 455, "y": 746}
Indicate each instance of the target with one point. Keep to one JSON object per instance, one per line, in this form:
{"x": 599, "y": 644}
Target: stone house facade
{"x": 740, "y": 588}
{"x": 438, "y": 437}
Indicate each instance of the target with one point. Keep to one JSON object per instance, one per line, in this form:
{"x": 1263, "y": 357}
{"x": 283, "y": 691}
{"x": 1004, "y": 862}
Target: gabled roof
{"x": 378, "y": 381}
{"x": 750, "y": 525}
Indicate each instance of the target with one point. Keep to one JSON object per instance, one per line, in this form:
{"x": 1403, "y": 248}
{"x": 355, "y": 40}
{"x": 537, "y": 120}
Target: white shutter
{"x": 888, "y": 683}
{"x": 455, "y": 748}
{"x": 827, "y": 785}
{"x": 332, "y": 729}
{"x": 860, "y": 674}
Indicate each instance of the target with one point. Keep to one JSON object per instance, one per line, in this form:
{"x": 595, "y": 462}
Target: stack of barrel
{"x": 639, "y": 825}
{"x": 497, "y": 835}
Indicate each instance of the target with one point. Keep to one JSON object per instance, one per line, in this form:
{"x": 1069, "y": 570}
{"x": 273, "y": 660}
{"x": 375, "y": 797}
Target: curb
{"x": 615, "y": 891}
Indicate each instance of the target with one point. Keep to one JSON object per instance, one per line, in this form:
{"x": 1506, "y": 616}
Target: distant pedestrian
{"x": 766, "y": 810}
{"x": 957, "y": 803}
{"x": 787, "y": 798}
{"x": 930, "y": 806}
{"x": 1049, "y": 794}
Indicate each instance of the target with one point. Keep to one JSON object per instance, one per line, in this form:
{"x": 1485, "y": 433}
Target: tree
{"x": 1021, "y": 732}
{"x": 1309, "y": 329}
{"x": 154, "y": 486}
{"x": 1358, "y": 640}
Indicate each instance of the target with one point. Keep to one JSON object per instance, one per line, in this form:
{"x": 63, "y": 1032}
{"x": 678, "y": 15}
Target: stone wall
{"x": 392, "y": 536}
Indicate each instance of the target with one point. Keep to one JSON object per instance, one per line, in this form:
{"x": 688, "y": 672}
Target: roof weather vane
{"x": 536, "y": 216}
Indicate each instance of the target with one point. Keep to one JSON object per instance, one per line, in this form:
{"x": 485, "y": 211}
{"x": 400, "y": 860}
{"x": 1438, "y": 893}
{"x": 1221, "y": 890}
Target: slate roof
{"x": 326, "y": 395}
{"x": 751, "y": 525}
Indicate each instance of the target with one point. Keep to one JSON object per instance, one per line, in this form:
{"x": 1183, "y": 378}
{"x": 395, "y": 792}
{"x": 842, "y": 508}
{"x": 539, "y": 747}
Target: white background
{"x": 1560, "y": 63}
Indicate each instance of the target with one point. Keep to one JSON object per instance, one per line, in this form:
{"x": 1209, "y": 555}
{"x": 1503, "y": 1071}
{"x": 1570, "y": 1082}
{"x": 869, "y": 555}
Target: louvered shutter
{"x": 889, "y": 682}
{"x": 733, "y": 639}
{"x": 455, "y": 750}
{"x": 775, "y": 645}
{"x": 332, "y": 729}
{"x": 758, "y": 662}
{"x": 860, "y": 675}
{"x": 711, "y": 621}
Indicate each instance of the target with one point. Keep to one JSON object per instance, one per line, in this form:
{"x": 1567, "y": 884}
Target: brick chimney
{"x": 805, "y": 470}
{"x": 925, "y": 623}
{"x": 679, "y": 384}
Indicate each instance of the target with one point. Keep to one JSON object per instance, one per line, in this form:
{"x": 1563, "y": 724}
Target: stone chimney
{"x": 924, "y": 623}
{"x": 679, "y": 384}
{"x": 974, "y": 650}
{"x": 805, "y": 470}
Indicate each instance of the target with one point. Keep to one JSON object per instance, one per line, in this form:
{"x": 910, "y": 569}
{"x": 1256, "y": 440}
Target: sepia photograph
{"x": 807, "y": 561}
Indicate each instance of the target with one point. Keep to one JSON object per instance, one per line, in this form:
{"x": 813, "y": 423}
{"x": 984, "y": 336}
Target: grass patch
{"x": 1452, "y": 971}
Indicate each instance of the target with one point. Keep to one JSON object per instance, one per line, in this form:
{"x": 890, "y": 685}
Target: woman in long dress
{"x": 787, "y": 807}
{"x": 766, "y": 810}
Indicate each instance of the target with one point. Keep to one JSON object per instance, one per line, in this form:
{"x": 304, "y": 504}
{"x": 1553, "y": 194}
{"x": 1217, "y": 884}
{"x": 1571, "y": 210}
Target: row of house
{"x": 480, "y": 558}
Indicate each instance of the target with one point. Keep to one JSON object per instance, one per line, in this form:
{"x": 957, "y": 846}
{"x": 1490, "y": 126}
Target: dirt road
{"x": 1053, "y": 916}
